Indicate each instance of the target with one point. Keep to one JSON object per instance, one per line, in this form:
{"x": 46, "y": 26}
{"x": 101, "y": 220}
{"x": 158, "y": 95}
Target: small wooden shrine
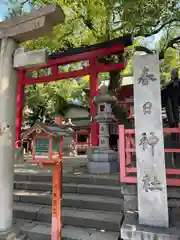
{"x": 47, "y": 141}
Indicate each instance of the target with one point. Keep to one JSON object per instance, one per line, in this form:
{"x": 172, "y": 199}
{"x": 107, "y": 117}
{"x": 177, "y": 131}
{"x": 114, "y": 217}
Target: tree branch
{"x": 162, "y": 52}
{"x": 160, "y": 28}
{"x": 174, "y": 40}
{"x": 143, "y": 49}
{"x": 25, "y": 1}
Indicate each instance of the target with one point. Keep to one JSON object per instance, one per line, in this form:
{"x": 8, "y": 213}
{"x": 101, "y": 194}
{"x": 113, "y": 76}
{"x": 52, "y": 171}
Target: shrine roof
{"x": 75, "y": 105}
{"x": 125, "y": 40}
{"x": 80, "y": 122}
{"x": 49, "y": 129}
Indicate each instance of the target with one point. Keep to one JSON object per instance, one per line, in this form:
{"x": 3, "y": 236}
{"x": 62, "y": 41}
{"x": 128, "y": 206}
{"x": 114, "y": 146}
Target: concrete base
{"x": 103, "y": 167}
{"x": 105, "y": 156}
{"x": 9, "y": 235}
{"x": 103, "y": 162}
{"x": 131, "y": 230}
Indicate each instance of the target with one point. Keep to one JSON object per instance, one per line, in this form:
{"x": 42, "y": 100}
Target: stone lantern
{"x": 102, "y": 159}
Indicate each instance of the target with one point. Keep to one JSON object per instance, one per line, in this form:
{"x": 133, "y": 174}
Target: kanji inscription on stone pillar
{"x": 151, "y": 175}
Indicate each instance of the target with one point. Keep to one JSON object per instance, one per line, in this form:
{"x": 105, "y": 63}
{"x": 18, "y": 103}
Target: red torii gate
{"x": 91, "y": 54}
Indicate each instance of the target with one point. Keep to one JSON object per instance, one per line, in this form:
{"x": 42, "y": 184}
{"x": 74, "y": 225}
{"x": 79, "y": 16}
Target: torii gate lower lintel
{"x": 90, "y": 54}
{"x": 12, "y": 32}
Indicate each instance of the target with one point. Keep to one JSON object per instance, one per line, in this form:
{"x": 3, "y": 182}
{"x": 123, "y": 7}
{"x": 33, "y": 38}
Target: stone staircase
{"x": 92, "y": 206}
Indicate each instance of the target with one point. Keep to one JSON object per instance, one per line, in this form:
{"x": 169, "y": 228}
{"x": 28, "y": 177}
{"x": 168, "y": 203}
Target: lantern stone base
{"x": 103, "y": 162}
{"x": 9, "y": 235}
{"x": 132, "y": 230}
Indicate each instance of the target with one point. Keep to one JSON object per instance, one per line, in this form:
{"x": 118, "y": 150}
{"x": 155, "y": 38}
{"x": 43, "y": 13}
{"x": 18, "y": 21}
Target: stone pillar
{"x": 8, "y": 86}
{"x": 33, "y": 25}
{"x": 151, "y": 176}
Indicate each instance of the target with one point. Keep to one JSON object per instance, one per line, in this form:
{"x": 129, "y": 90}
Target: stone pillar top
{"x": 104, "y": 96}
{"x": 32, "y": 25}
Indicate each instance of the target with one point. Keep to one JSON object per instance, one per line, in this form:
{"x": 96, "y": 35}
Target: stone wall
{"x": 129, "y": 191}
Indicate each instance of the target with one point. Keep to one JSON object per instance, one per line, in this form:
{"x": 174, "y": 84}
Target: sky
{"x": 4, "y": 9}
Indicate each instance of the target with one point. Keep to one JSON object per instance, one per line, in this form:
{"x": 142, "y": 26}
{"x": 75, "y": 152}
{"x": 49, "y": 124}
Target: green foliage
{"x": 93, "y": 21}
{"x": 45, "y": 101}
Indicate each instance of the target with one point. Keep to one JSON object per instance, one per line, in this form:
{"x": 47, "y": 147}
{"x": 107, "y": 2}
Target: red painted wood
{"x": 110, "y": 67}
{"x": 122, "y": 153}
{"x": 128, "y": 153}
{"x": 19, "y": 106}
{"x": 57, "y": 76}
{"x": 125, "y": 162}
{"x": 93, "y": 81}
{"x": 117, "y": 48}
{"x": 169, "y": 171}
{"x": 165, "y": 130}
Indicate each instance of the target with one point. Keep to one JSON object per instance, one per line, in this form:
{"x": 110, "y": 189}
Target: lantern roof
{"x": 53, "y": 129}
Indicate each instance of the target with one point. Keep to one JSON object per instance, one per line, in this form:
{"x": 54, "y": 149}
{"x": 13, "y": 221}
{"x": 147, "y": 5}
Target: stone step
{"x": 93, "y": 179}
{"x": 42, "y": 231}
{"x": 112, "y": 191}
{"x": 108, "y": 221}
{"x": 93, "y": 202}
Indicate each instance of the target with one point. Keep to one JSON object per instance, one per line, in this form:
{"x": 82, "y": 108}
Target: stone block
{"x": 128, "y": 189}
{"x": 29, "y": 59}
{"x": 91, "y": 219}
{"x": 71, "y": 233}
{"x": 33, "y": 186}
{"x": 38, "y": 198}
{"x": 25, "y": 212}
{"x": 32, "y": 25}
{"x": 9, "y": 235}
{"x": 20, "y": 177}
{"x": 130, "y": 203}
{"x": 45, "y": 215}
{"x": 103, "y": 167}
{"x": 16, "y": 198}
{"x": 69, "y": 188}
{"x": 132, "y": 230}
{"x": 174, "y": 203}
{"x": 40, "y": 178}
{"x": 103, "y": 156}
{"x": 110, "y": 191}
{"x": 93, "y": 202}
{"x": 173, "y": 192}
{"x": 40, "y": 232}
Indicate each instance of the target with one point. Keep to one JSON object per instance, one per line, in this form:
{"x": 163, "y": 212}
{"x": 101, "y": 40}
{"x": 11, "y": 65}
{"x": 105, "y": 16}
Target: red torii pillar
{"x": 94, "y": 83}
{"x": 19, "y": 106}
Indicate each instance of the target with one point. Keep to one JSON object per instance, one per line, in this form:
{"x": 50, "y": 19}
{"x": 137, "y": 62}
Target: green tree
{"x": 93, "y": 21}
